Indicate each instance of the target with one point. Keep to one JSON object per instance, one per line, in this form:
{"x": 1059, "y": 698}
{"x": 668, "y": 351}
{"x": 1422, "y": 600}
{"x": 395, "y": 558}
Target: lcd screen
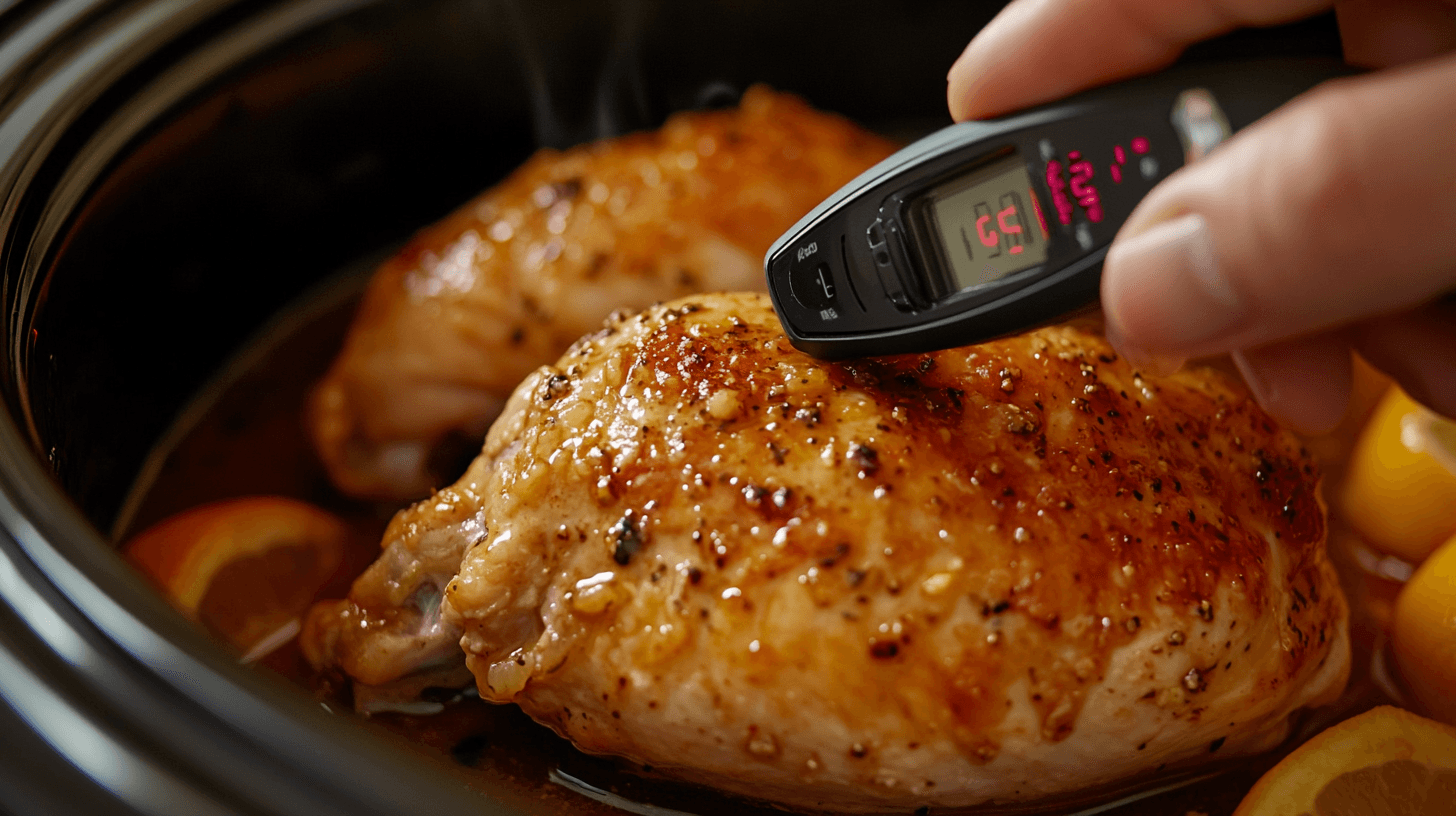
{"x": 988, "y": 223}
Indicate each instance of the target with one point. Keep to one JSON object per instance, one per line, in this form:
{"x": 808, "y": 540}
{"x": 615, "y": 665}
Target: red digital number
{"x": 1082, "y": 187}
{"x": 1058, "y": 187}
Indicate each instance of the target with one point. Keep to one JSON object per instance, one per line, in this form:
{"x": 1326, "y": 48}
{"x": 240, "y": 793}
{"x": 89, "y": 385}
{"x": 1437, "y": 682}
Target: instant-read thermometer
{"x": 986, "y": 228}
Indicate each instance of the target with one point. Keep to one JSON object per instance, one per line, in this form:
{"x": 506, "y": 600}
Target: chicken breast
{"x": 451, "y": 324}
{"x": 996, "y": 574}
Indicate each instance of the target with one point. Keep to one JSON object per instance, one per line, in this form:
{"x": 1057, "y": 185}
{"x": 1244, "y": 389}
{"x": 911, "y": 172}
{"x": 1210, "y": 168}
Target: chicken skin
{"x": 452, "y": 323}
{"x": 996, "y": 574}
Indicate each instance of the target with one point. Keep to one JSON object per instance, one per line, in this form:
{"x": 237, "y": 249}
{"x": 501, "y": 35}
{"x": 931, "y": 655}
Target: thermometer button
{"x": 813, "y": 285}
{"x": 886, "y": 254}
{"x": 875, "y": 236}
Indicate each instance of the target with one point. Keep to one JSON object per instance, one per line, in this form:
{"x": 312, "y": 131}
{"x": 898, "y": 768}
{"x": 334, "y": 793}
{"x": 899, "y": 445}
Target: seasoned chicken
{"x": 451, "y": 324}
{"x": 993, "y": 574}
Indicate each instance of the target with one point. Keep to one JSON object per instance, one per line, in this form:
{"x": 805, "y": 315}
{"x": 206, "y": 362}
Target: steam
{"x": 621, "y": 97}
{"x": 619, "y": 104}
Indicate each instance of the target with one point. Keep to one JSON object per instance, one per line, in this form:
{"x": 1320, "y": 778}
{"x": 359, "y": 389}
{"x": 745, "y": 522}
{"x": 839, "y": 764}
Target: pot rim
{"x": 92, "y": 658}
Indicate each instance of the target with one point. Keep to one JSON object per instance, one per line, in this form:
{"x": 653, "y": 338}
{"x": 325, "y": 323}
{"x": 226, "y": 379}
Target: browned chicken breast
{"x": 994, "y": 574}
{"x": 458, "y": 318}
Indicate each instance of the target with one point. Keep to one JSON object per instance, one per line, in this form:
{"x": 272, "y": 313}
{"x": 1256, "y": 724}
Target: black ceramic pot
{"x": 172, "y": 172}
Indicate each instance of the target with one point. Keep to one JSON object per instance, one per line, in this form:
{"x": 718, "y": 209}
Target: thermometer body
{"x": 987, "y": 228}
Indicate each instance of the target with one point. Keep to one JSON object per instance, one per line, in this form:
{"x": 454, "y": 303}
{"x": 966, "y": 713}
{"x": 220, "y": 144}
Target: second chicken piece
{"x": 462, "y": 314}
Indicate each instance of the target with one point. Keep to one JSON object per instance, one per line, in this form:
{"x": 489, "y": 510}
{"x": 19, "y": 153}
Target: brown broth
{"x": 244, "y": 436}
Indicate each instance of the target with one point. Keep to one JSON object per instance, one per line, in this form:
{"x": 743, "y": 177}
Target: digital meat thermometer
{"x": 987, "y": 228}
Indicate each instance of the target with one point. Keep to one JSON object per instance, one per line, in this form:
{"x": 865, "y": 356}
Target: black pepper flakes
{"x": 884, "y": 649}
{"x": 866, "y": 458}
{"x": 1216, "y": 744}
{"x": 840, "y": 550}
{"x": 957, "y": 397}
{"x": 628, "y": 539}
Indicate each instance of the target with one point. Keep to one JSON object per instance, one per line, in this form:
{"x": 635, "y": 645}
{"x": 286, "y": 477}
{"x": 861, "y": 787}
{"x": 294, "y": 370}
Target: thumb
{"x": 1339, "y": 206}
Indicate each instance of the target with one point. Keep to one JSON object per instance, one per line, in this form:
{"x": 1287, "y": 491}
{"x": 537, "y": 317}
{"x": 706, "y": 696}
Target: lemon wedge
{"x": 1385, "y": 762}
{"x": 1423, "y": 635}
{"x": 1400, "y": 490}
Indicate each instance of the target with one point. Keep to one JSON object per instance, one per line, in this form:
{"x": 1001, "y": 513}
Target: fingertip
{"x": 966, "y": 82}
{"x": 1417, "y": 348}
{"x": 1163, "y": 289}
{"x": 995, "y": 71}
{"x": 1305, "y": 383}
{"x": 1142, "y": 360}
{"x": 955, "y": 92}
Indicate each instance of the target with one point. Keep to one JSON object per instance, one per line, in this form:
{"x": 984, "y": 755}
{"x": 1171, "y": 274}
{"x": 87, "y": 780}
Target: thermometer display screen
{"x": 988, "y": 222}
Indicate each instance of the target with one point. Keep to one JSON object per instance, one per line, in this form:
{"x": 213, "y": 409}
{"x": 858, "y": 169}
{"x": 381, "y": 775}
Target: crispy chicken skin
{"x": 991, "y": 574}
{"x": 451, "y": 324}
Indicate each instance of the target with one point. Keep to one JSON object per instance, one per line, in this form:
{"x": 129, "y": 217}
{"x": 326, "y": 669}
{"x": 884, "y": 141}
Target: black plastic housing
{"x": 892, "y": 297}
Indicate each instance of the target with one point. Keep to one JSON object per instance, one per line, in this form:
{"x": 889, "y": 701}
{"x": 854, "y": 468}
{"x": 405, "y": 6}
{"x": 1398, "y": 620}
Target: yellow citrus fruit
{"x": 1385, "y": 762}
{"x": 1423, "y": 635}
{"x": 245, "y": 567}
{"x": 1400, "y": 489}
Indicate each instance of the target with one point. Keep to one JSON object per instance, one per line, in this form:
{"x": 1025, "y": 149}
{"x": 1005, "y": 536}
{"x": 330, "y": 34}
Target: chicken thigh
{"x": 996, "y": 574}
{"x": 454, "y": 321}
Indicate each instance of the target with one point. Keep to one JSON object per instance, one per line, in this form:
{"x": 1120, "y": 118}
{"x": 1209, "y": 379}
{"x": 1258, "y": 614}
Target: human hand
{"x": 1326, "y": 226}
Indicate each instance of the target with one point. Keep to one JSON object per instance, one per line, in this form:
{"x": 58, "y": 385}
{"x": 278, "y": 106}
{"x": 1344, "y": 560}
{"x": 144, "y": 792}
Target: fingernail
{"x": 1264, "y": 392}
{"x": 1291, "y": 381}
{"x": 1145, "y": 362}
{"x": 1164, "y": 290}
{"x": 1141, "y": 360}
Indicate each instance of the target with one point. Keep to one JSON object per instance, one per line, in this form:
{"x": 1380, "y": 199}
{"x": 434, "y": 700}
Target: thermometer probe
{"x": 987, "y": 228}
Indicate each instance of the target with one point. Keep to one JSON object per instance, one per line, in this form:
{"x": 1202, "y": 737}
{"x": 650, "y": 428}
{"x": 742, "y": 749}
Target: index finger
{"x": 1037, "y": 51}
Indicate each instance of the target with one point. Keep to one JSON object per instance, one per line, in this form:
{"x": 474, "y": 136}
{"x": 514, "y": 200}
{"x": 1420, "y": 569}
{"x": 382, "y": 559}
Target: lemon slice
{"x": 245, "y": 568}
{"x": 1423, "y": 636}
{"x": 1400, "y": 490}
{"x": 1385, "y": 762}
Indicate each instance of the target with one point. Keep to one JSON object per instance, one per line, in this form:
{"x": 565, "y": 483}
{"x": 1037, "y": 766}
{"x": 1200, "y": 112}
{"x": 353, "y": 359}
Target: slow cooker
{"x": 172, "y": 173}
